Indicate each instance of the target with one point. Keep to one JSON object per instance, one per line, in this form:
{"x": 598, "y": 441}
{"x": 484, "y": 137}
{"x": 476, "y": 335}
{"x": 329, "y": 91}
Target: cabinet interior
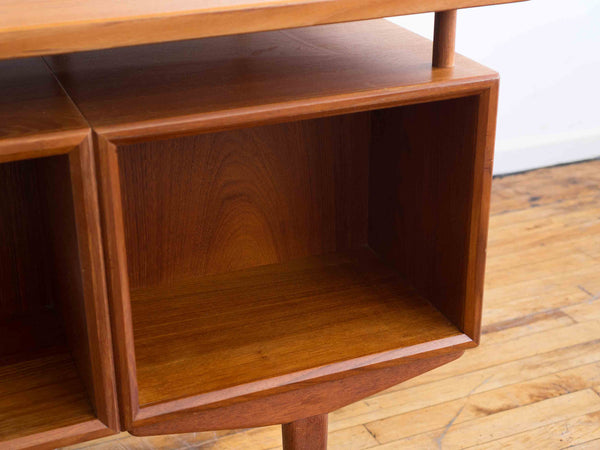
{"x": 45, "y": 371}
{"x": 259, "y": 252}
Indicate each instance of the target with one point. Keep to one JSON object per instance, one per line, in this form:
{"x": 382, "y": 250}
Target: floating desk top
{"x": 42, "y": 27}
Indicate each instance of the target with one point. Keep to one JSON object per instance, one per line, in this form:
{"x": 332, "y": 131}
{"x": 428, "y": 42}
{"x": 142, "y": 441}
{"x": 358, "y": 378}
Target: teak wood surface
{"x": 42, "y": 27}
{"x": 306, "y": 434}
{"x": 315, "y": 315}
{"x": 330, "y": 178}
{"x": 57, "y": 383}
{"x": 228, "y": 82}
{"x": 444, "y": 37}
{"x": 36, "y": 117}
{"x": 535, "y": 379}
{"x": 236, "y": 109}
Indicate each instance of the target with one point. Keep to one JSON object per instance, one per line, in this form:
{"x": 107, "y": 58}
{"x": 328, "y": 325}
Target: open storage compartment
{"x": 284, "y": 207}
{"x": 262, "y": 252}
{"x": 56, "y": 376}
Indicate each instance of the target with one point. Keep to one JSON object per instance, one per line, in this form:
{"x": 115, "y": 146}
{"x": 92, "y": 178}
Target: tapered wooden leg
{"x": 444, "y": 33}
{"x": 306, "y": 434}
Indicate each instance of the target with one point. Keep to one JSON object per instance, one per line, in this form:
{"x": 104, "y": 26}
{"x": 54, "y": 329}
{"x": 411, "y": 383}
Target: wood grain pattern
{"x": 444, "y": 37}
{"x": 417, "y": 167}
{"x": 30, "y": 335}
{"x": 293, "y": 401}
{"x": 242, "y": 170}
{"x": 117, "y": 279}
{"x": 24, "y": 251}
{"x": 337, "y": 308}
{"x": 57, "y": 437}
{"x": 485, "y": 140}
{"x": 54, "y": 317}
{"x": 229, "y": 82}
{"x": 33, "y": 105}
{"x": 59, "y": 232}
{"x": 40, "y": 395}
{"x": 35, "y": 27}
{"x": 306, "y": 434}
{"x": 221, "y": 202}
{"x": 92, "y": 313}
{"x": 529, "y": 382}
{"x": 49, "y": 401}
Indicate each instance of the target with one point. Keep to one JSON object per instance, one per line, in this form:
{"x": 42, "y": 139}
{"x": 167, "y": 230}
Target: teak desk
{"x": 234, "y": 231}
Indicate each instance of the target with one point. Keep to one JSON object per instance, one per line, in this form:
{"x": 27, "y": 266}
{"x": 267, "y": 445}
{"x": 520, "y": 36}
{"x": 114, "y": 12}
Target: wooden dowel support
{"x": 306, "y": 434}
{"x": 444, "y": 34}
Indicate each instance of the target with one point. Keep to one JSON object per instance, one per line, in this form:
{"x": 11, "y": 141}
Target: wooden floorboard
{"x": 535, "y": 380}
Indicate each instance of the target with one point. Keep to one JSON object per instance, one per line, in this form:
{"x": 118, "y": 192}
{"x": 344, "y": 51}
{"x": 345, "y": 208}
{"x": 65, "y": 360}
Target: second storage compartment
{"x": 56, "y": 369}
{"x": 265, "y": 251}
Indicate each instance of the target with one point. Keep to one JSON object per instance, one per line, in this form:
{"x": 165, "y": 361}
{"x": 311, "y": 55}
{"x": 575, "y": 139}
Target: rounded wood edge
{"x": 85, "y": 199}
{"x": 86, "y": 35}
{"x": 485, "y": 140}
{"x": 293, "y": 402}
{"x": 116, "y": 278}
{"x": 60, "y": 437}
{"x": 180, "y": 126}
{"x": 41, "y": 145}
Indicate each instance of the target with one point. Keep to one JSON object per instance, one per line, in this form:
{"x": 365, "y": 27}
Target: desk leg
{"x": 306, "y": 434}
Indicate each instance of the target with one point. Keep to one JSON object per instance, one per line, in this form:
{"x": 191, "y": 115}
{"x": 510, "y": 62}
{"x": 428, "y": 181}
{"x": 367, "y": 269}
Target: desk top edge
{"x": 36, "y": 27}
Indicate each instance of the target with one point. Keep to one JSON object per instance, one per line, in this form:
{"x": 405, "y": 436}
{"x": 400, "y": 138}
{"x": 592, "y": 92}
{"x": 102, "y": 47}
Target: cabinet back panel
{"x": 226, "y": 201}
{"x": 25, "y": 281}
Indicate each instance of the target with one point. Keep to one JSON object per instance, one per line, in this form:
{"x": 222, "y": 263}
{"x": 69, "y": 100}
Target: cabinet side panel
{"x": 421, "y": 194}
{"x": 480, "y": 209}
{"x": 225, "y": 201}
{"x": 64, "y": 259}
{"x": 86, "y": 215}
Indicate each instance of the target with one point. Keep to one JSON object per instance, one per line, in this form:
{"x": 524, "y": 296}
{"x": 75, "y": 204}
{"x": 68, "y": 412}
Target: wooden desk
{"x": 275, "y": 224}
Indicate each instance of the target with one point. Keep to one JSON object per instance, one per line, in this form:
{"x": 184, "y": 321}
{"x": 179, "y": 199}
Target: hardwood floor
{"x": 535, "y": 380}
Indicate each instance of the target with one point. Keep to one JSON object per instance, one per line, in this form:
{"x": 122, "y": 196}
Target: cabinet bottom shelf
{"x": 231, "y": 334}
{"x": 41, "y": 395}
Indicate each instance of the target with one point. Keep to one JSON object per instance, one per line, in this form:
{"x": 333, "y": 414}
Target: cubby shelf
{"x": 285, "y": 212}
{"x": 56, "y": 368}
{"x": 41, "y": 395}
{"x": 219, "y": 335}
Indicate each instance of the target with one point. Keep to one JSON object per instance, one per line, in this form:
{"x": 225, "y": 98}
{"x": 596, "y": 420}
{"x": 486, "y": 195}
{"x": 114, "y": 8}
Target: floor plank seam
{"x": 592, "y": 341}
{"x": 504, "y": 387}
{"x": 508, "y": 324}
{"x": 366, "y": 426}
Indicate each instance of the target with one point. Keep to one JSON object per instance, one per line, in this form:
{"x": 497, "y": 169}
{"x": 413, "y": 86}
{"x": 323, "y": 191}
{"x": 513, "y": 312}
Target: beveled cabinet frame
{"x": 283, "y": 403}
{"x": 77, "y": 145}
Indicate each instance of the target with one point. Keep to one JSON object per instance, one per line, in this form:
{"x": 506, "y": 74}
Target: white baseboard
{"x": 528, "y": 153}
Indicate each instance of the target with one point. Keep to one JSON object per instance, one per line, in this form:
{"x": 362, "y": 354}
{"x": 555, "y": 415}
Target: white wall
{"x": 548, "y": 56}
